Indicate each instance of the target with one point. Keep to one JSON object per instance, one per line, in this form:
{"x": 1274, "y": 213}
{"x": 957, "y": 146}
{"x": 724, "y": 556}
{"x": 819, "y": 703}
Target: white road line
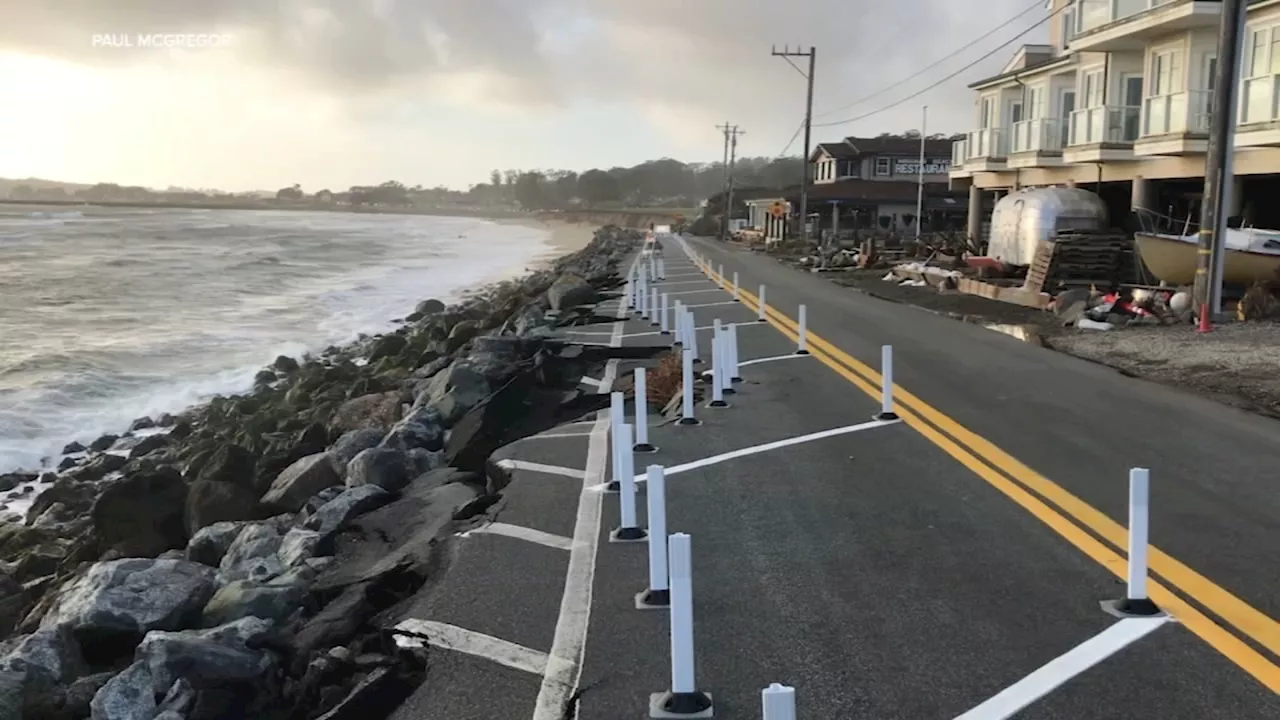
{"x": 703, "y": 327}
{"x": 452, "y": 637}
{"x": 551, "y": 435}
{"x": 664, "y": 284}
{"x": 601, "y": 333}
{"x": 726, "y": 302}
{"x": 590, "y": 381}
{"x": 521, "y": 532}
{"x": 542, "y": 468}
{"x": 757, "y": 361}
{"x": 1061, "y": 669}
{"x": 696, "y": 292}
{"x": 569, "y": 646}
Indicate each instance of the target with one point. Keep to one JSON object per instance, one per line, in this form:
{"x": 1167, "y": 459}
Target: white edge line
{"x": 714, "y": 304}
{"x": 551, "y": 435}
{"x": 542, "y": 468}
{"x": 1014, "y": 698}
{"x": 520, "y": 532}
{"x": 703, "y": 327}
{"x": 452, "y": 637}
{"x": 591, "y": 381}
{"x": 757, "y": 361}
{"x": 696, "y": 292}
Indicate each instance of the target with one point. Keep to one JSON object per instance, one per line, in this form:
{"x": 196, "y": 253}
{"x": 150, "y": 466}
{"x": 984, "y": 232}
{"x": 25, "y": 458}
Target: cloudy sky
{"x": 341, "y": 92}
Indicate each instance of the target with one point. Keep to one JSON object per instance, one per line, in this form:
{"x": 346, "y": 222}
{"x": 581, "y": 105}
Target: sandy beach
{"x": 564, "y": 237}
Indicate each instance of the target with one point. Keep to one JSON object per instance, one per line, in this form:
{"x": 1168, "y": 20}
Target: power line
{"x": 796, "y": 134}
{"x": 917, "y": 94}
{"x": 1034, "y": 5}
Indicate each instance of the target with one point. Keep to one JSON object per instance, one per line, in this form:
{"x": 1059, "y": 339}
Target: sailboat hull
{"x": 1174, "y": 261}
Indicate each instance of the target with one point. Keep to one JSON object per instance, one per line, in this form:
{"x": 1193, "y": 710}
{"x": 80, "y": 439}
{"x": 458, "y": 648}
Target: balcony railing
{"x": 959, "y": 153}
{"x": 1184, "y": 112}
{"x": 1105, "y": 124}
{"x": 1096, "y": 13}
{"x": 988, "y": 143}
{"x": 1041, "y": 135}
{"x": 1260, "y": 98}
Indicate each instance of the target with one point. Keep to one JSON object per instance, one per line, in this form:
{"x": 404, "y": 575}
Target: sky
{"x": 334, "y": 93}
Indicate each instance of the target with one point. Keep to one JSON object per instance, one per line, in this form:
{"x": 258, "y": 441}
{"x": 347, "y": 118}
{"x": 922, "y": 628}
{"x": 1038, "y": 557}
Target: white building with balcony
{"x": 1120, "y": 102}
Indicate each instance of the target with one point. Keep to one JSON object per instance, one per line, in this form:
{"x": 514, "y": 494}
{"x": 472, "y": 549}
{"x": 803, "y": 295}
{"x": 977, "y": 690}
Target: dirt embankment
{"x": 636, "y": 219}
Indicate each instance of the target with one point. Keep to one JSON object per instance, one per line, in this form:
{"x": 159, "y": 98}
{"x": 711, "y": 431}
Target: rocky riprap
{"x": 239, "y": 564}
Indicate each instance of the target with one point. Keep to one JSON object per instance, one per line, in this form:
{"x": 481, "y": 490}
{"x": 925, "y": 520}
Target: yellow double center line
{"x": 1072, "y": 518}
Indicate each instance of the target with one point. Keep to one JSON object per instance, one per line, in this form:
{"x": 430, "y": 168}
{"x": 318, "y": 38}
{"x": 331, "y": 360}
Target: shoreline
{"x": 242, "y": 508}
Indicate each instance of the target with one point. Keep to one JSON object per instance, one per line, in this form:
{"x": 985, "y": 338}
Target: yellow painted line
{"x": 970, "y": 447}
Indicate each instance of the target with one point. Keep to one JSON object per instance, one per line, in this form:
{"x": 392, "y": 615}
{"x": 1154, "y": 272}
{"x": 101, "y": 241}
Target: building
{"x": 1120, "y": 102}
{"x": 864, "y": 183}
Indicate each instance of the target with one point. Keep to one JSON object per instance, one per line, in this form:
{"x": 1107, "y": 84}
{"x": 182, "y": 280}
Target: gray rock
{"x": 352, "y": 443}
{"x": 462, "y": 379}
{"x": 429, "y": 307}
{"x": 130, "y": 695}
{"x": 198, "y": 659}
{"x": 80, "y": 693}
{"x": 570, "y": 290}
{"x": 422, "y": 428}
{"x": 42, "y": 664}
{"x": 180, "y": 699}
{"x": 212, "y": 542}
{"x": 131, "y": 597}
{"x": 421, "y": 461}
{"x": 350, "y": 504}
{"x": 210, "y": 502}
{"x": 318, "y": 500}
{"x": 300, "y": 481}
{"x": 253, "y": 555}
{"x": 298, "y": 546}
{"x": 385, "y": 467}
{"x": 243, "y": 599}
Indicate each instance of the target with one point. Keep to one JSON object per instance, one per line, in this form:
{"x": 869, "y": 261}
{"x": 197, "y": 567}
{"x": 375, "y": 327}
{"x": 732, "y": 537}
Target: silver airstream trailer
{"x": 1022, "y": 219}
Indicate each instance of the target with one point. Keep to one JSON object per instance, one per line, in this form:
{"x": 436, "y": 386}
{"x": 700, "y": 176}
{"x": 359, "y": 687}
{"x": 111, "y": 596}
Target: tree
{"x": 495, "y": 177}
{"x": 598, "y": 186}
{"x": 530, "y": 192}
{"x": 291, "y": 194}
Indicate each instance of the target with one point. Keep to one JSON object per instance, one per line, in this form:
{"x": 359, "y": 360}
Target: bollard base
{"x": 885, "y": 416}
{"x": 666, "y": 332}
{"x": 1129, "y": 607}
{"x": 735, "y": 379}
{"x": 729, "y": 391}
{"x": 761, "y": 320}
{"x": 802, "y": 352}
{"x": 653, "y": 599}
{"x": 628, "y": 535}
{"x": 665, "y": 705}
{"x": 644, "y": 448}
{"x": 697, "y": 361}
{"x": 718, "y": 404}
{"x": 688, "y": 421}
{"x": 613, "y": 486}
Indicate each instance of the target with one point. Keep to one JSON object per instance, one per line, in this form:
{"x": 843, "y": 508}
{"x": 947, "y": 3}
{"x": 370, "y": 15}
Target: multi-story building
{"x": 1120, "y": 102}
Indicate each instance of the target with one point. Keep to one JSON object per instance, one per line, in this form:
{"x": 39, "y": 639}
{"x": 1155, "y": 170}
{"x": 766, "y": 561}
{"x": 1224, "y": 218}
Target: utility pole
{"x": 1207, "y": 292}
{"x": 924, "y": 132}
{"x": 812, "y": 53}
{"x": 724, "y": 187}
{"x": 728, "y": 197}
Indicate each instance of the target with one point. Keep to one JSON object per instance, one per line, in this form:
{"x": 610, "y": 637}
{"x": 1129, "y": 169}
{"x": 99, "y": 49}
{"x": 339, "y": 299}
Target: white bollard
{"x": 760, "y": 311}
{"x": 692, "y": 328}
{"x": 617, "y": 416}
{"x": 737, "y": 295}
{"x": 628, "y": 530}
{"x": 683, "y": 699}
{"x": 653, "y": 305}
{"x": 886, "y": 384}
{"x": 662, "y": 269}
{"x": 686, "y": 388}
{"x": 802, "y": 348}
{"x": 734, "y": 375}
{"x": 642, "y": 415}
{"x": 645, "y": 310}
{"x": 677, "y": 316}
{"x": 717, "y": 373}
{"x": 725, "y": 357}
{"x": 720, "y": 274}
{"x": 778, "y": 702}
{"x": 1136, "y": 601}
{"x": 658, "y": 594}
{"x": 663, "y": 326}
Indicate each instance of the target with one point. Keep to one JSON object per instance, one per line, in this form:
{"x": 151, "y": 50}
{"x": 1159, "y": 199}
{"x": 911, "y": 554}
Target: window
{"x": 1093, "y": 90}
{"x": 988, "y": 111}
{"x": 1166, "y": 73}
{"x": 1210, "y": 72}
{"x": 1035, "y": 103}
{"x": 1015, "y": 112}
{"x": 1068, "y": 25}
{"x": 883, "y": 166}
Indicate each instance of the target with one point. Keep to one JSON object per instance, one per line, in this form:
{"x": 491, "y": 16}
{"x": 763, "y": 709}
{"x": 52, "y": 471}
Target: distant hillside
{"x": 7, "y": 185}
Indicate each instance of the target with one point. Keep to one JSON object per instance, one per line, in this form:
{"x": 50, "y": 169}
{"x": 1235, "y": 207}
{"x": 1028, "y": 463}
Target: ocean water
{"x": 108, "y": 314}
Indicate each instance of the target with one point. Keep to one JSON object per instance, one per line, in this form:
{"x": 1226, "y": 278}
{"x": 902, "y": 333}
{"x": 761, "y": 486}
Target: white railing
{"x": 1040, "y": 135}
{"x": 988, "y": 143}
{"x": 1258, "y": 101}
{"x": 959, "y": 153}
{"x": 1096, "y": 13}
{"x": 1105, "y": 124}
{"x": 1184, "y": 112}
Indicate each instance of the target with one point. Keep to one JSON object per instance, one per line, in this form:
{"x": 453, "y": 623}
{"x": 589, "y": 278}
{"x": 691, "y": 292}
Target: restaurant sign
{"x": 911, "y": 166}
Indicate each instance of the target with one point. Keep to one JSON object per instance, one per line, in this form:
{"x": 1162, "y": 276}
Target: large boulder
{"x": 352, "y": 443}
{"x": 423, "y": 429}
{"x": 128, "y": 598}
{"x": 141, "y": 515}
{"x": 375, "y": 410}
{"x": 387, "y": 468}
{"x": 210, "y": 543}
{"x": 252, "y": 556}
{"x": 306, "y": 477}
{"x": 570, "y": 290}
{"x": 211, "y": 502}
{"x": 336, "y": 513}
{"x": 230, "y": 464}
{"x": 42, "y": 664}
{"x": 462, "y": 380}
{"x": 99, "y": 467}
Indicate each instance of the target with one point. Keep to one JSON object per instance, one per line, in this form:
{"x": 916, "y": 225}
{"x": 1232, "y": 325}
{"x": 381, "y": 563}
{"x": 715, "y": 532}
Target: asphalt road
{"x": 906, "y": 571}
